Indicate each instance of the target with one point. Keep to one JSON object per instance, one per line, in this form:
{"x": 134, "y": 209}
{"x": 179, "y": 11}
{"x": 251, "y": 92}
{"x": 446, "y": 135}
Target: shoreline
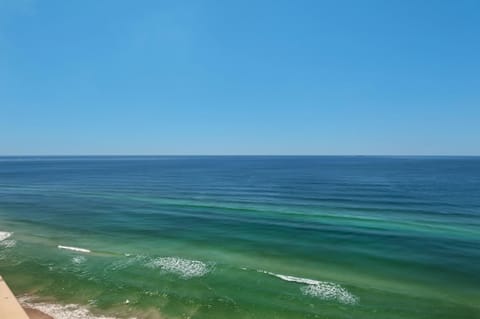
{"x": 33, "y": 313}
{"x": 13, "y": 307}
{"x": 37, "y": 309}
{"x": 9, "y": 304}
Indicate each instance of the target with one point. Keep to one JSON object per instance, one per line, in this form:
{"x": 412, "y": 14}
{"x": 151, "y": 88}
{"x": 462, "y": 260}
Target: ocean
{"x": 243, "y": 236}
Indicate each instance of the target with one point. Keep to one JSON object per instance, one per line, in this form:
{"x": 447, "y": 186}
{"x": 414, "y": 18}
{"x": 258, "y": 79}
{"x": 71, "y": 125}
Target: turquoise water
{"x": 243, "y": 237}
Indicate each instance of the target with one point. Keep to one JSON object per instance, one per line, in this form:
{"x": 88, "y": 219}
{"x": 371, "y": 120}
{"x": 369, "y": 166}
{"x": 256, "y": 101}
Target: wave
{"x": 185, "y": 268}
{"x": 330, "y": 291}
{"x": 82, "y": 250}
{"x": 320, "y": 289}
{"x": 58, "y": 311}
{"x": 4, "y": 235}
{"x": 8, "y": 243}
{"x": 292, "y": 278}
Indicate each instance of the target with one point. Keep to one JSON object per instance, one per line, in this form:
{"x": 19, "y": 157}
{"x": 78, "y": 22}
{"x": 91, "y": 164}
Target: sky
{"x": 98, "y": 77}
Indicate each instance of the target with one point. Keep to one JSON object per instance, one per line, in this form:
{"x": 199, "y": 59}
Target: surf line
{"x": 82, "y": 250}
{"x": 4, "y": 235}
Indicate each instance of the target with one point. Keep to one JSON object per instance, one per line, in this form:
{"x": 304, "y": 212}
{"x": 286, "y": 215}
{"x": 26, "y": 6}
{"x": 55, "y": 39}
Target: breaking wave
{"x": 320, "y": 289}
{"x": 7, "y": 243}
{"x": 4, "y": 235}
{"x": 82, "y": 250}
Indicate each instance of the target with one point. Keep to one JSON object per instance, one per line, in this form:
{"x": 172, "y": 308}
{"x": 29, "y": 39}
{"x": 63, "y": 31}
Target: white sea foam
{"x": 320, "y": 289}
{"x": 8, "y": 243}
{"x": 82, "y": 250}
{"x": 77, "y": 260}
{"x": 185, "y": 268}
{"x": 57, "y": 311}
{"x": 330, "y": 291}
{"x": 293, "y": 279}
{"x": 4, "y": 235}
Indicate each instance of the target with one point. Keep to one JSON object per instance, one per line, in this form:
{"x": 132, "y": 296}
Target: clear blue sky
{"x": 240, "y": 77}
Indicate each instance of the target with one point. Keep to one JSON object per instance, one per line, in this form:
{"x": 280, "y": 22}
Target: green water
{"x": 217, "y": 237}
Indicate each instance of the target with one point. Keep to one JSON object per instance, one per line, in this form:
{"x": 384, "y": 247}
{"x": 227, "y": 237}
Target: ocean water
{"x": 243, "y": 237}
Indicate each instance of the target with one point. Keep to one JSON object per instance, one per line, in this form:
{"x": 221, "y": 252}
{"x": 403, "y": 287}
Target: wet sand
{"x": 36, "y": 314}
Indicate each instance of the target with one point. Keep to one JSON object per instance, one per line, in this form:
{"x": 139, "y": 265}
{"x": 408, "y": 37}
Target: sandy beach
{"x": 10, "y": 307}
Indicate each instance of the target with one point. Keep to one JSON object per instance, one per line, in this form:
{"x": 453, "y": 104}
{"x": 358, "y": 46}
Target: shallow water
{"x": 243, "y": 237}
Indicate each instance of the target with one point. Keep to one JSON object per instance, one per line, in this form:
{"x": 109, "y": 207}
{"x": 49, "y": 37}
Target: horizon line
{"x": 240, "y": 155}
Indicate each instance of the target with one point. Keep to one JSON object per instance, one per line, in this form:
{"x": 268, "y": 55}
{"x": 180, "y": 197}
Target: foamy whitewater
{"x": 57, "y": 311}
{"x": 4, "y": 235}
{"x": 185, "y": 268}
{"x": 9, "y": 243}
{"x": 321, "y": 289}
{"x": 5, "y": 242}
{"x": 81, "y": 250}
